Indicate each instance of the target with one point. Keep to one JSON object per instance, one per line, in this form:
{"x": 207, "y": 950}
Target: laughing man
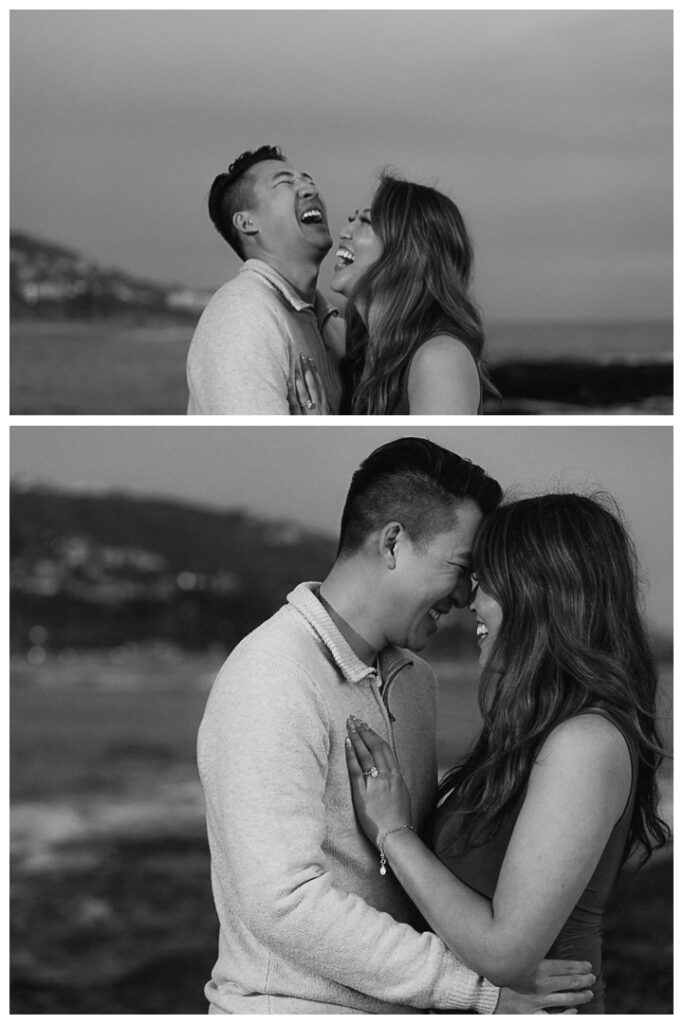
{"x": 269, "y": 320}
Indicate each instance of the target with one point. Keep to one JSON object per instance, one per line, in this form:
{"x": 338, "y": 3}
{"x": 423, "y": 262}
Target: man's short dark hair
{"x": 414, "y": 482}
{"x": 233, "y": 191}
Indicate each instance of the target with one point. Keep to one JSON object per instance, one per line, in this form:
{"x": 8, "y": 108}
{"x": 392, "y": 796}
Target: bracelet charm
{"x": 382, "y": 856}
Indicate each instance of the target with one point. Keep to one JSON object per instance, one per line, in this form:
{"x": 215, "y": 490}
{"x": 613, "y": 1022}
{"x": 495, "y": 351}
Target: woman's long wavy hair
{"x": 563, "y": 570}
{"x": 418, "y": 287}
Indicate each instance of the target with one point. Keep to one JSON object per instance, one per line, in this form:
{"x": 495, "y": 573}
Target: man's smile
{"x": 311, "y": 212}
{"x": 436, "y": 611}
{"x": 314, "y": 215}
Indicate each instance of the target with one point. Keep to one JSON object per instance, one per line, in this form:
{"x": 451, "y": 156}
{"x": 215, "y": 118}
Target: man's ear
{"x": 243, "y": 222}
{"x": 390, "y": 539}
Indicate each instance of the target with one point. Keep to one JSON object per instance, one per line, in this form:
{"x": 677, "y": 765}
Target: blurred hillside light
{"x": 187, "y": 580}
{"x": 36, "y": 655}
{"x": 37, "y": 635}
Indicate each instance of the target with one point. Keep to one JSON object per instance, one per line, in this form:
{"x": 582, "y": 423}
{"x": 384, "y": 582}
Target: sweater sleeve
{"x": 238, "y": 361}
{"x": 263, "y": 768}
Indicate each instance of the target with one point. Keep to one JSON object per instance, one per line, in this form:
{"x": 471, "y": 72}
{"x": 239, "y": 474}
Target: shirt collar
{"x": 391, "y": 660}
{"x": 320, "y": 306}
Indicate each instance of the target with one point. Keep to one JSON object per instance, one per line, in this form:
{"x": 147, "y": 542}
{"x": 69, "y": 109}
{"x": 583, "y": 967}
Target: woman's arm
{"x": 443, "y": 379}
{"x": 577, "y": 791}
{"x": 334, "y": 333}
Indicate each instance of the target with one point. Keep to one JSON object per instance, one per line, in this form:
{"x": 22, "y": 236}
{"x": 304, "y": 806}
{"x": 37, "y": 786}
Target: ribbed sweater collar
{"x": 322, "y": 308}
{"x": 304, "y": 599}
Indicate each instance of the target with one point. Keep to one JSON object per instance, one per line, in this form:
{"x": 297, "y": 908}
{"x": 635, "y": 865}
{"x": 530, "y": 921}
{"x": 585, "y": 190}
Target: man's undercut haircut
{"x": 416, "y": 483}
{"x": 233, "y": 191}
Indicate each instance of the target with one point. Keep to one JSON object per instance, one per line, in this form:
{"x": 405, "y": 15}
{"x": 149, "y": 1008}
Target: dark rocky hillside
{"x": 49, "y": 281}
{"x": 101, "y": 570}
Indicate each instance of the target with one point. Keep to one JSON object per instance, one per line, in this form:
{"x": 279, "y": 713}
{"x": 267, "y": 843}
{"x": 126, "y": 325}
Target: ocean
{"x": 105, "y": 367}
{"x": 606, "y": 341}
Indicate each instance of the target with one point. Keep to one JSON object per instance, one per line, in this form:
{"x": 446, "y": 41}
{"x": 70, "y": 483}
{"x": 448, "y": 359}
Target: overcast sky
{"x": 551, "y": 129}
{"x": 302, "y": 473}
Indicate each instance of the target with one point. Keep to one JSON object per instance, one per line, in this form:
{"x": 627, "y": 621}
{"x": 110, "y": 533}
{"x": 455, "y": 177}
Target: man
{"x": 269, "y": 320}
{"x": 307, "y": 923}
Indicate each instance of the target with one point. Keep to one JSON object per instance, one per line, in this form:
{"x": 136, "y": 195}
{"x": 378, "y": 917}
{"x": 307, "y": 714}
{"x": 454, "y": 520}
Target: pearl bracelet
{"x": 382, "y": 838}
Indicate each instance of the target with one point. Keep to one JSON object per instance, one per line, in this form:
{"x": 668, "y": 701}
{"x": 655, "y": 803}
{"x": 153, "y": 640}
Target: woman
{"x": 531, "y": 829}
{"x": 414, "y": 340}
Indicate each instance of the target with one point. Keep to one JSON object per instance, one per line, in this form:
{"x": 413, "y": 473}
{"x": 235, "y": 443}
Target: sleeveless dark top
{"x": 580, "y": 937}
{"x": 402, "y": 407}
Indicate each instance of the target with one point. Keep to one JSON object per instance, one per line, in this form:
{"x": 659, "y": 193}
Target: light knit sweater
{"x": 307, "y": 923}
{"x": 248, "y": 342}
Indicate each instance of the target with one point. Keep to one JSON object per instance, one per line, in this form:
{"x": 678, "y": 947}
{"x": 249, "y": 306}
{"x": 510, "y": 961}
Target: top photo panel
{"x": 348, "y": 212}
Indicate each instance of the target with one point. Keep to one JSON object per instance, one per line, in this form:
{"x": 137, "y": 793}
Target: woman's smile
{"x": 344, "y": 257}
{"x": 359, "y": 248}
{"x": 489, "y": 617}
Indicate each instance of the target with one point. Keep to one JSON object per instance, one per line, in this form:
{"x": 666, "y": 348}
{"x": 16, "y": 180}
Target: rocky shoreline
{"x": 582, "y": 386}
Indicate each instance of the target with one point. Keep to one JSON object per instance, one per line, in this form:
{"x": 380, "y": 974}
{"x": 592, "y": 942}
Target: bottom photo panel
{"x": 322, "y": 719}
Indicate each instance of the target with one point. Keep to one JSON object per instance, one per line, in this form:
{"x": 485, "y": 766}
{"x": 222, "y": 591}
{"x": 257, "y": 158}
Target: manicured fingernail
{"x": 347, "y": 742}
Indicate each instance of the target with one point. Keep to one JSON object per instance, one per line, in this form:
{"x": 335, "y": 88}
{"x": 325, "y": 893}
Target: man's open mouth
{"x": 345, "y": 256}
{"x": 313, "y": 216}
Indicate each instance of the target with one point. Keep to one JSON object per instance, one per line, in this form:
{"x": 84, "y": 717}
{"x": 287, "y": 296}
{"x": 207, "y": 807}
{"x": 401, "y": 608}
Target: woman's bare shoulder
{"x": 590, "y": 744}
{"x": 443, "y": 378}
{"x": 587, "y": 759}
{"x": 444, "y": 349}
